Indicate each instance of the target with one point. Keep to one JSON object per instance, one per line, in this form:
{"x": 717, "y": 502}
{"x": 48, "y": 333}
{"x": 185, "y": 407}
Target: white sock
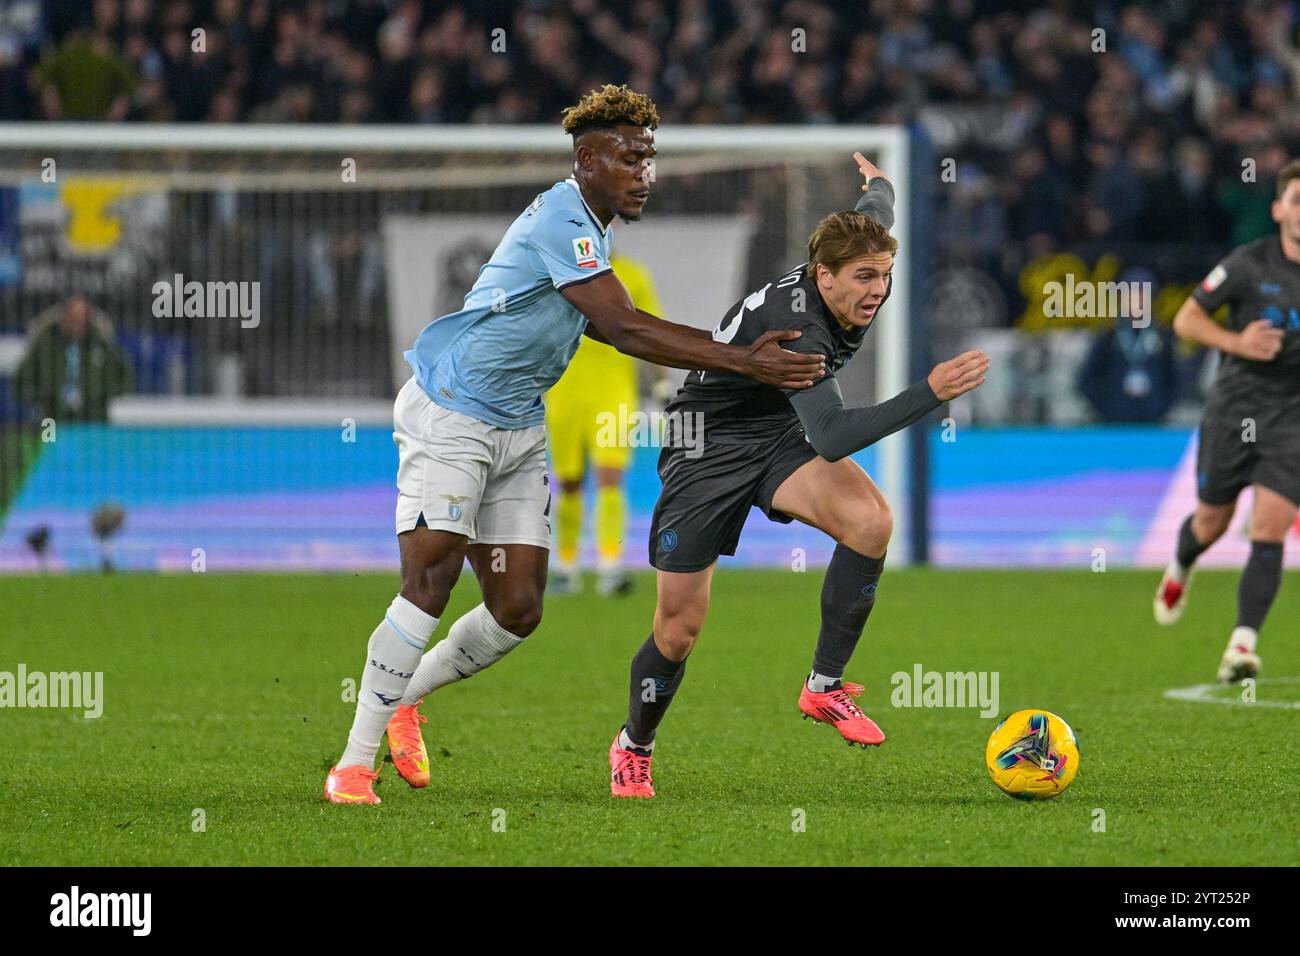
{"x": 1176, "y": 572}
{"x": 627, "y": 743}
{"x": 474, "y": 642}
{"x": 820, "y": 683}
{"x": 391, "y": 658}
{"x": 1243, "y": 640}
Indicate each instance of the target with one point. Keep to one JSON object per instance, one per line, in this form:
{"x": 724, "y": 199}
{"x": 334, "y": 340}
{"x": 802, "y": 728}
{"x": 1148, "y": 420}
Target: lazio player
{"x": 471, "y": 476}
{"x": 598, "y": 381}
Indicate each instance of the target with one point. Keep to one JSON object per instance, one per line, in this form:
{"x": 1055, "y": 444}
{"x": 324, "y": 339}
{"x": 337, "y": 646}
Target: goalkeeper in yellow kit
{"x": 598, "y": 380}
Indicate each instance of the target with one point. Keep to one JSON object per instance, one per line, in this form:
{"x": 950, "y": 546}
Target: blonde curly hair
{"x": 610, "y": 106}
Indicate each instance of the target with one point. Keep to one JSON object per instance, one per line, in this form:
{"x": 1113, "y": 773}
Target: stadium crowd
{"x": 1074, "y": 127}
{"x": 1134, "y": 132}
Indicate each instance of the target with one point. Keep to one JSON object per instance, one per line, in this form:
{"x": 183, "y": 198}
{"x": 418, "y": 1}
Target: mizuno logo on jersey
{"x": 584, "y": 252}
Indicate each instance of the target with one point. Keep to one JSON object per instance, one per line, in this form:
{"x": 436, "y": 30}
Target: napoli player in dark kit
{"x": 786, "y": 453}
{"x": 1250, "y": 431}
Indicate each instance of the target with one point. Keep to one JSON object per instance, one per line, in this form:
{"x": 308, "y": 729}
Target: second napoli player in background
{"x": 472, "y": 479}
{"x": 1250, "y": 433}
{"x": 785, "y": 452}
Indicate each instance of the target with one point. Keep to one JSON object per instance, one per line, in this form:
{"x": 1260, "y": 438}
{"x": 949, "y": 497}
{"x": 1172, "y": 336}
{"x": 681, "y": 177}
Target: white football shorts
{"x": 464, "y": 475}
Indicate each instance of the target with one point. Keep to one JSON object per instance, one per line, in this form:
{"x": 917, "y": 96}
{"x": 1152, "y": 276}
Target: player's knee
{"x": 676, "y": 634}
{"x": 1209, "y": 524}
{"x": 519, "y": 613}
{"x": 1272, "y": 532}
{"x": 868, "y": 529}
{"x": 428, "y": 588}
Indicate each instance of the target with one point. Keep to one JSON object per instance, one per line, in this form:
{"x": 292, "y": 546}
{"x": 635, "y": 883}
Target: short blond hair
{"x": 843, "y": 237}
{"x": 608, "y": 107}
{"x": 1287, "y": 173}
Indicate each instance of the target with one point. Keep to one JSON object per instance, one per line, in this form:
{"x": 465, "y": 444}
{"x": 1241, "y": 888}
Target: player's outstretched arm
{"x": 835, "y": 431}
{"x": 1259, "y": 341}
{"x": 877, "y": 199}
{"x": 605, "y": 303}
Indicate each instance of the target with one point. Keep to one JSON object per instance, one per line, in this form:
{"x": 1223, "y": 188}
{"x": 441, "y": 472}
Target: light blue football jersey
{"x": 495, "y": 358}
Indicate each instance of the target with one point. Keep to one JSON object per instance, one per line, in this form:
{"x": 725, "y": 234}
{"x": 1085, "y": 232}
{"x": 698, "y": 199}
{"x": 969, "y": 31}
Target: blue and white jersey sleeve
{"x": 567, "y": 248}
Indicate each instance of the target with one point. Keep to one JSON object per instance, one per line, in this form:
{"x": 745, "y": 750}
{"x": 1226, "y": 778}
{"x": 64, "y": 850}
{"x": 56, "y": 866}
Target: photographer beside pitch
{"x": 784, "y": 451}
{"x": 1250, "y": 432}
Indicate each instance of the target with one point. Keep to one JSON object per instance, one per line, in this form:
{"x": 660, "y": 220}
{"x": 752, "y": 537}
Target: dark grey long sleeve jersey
{"x": 878, "y": 202}
{"x": 836, "y": 432}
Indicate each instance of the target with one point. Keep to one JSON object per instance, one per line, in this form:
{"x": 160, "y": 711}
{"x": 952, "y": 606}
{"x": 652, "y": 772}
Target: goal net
{"x": 248, "y": 293}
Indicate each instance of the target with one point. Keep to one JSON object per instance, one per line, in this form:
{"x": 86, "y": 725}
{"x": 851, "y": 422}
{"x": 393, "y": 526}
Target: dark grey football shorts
{"x": 706, "y": 499}
{"x": 1230, "y": 455}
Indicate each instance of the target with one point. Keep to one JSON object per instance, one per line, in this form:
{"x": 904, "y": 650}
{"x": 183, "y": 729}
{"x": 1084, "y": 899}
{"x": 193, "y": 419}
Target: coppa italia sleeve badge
{"x": 1214, "y": 279}
{"x": 584, "y": 252}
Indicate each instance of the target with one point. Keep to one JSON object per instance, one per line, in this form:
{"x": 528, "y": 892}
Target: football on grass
{"x": 1032, "y": 755}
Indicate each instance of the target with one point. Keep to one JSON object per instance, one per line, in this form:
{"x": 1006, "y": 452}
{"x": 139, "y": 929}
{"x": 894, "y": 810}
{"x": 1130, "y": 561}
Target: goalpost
{"x": 356, "y": 235}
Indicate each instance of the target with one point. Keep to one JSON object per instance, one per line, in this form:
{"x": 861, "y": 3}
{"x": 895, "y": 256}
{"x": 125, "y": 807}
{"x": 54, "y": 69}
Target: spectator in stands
{"x": 86, "y": 77}
{"x": 1131, "y": 373}
{"x": 1064, "y": 142}
{"x": 1191, "y": 210}
{"x": 1249, "y": 208}
{"x": 21, "y": 35}
{"x": 72, "y": 367}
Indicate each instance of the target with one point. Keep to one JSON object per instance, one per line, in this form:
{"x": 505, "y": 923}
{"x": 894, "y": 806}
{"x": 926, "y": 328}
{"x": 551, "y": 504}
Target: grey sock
{"x": 848, "y": 595}
{"x": 654, "y": 681}
{"x": 1260, "y": 580}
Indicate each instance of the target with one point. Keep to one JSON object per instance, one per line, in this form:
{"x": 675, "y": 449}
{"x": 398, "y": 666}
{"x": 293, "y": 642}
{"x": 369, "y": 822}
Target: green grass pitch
{"x": 223, "y": 694}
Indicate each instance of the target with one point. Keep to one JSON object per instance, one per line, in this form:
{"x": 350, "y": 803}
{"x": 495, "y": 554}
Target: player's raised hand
{"x": 769, "y": 363}
{"x": 959, "y": 375}
{"x": 1260, "y": 341}
{"x": 868, "y": 169}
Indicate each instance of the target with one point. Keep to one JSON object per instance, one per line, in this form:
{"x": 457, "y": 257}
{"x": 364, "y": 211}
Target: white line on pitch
{"x": 1203, "y": 694}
